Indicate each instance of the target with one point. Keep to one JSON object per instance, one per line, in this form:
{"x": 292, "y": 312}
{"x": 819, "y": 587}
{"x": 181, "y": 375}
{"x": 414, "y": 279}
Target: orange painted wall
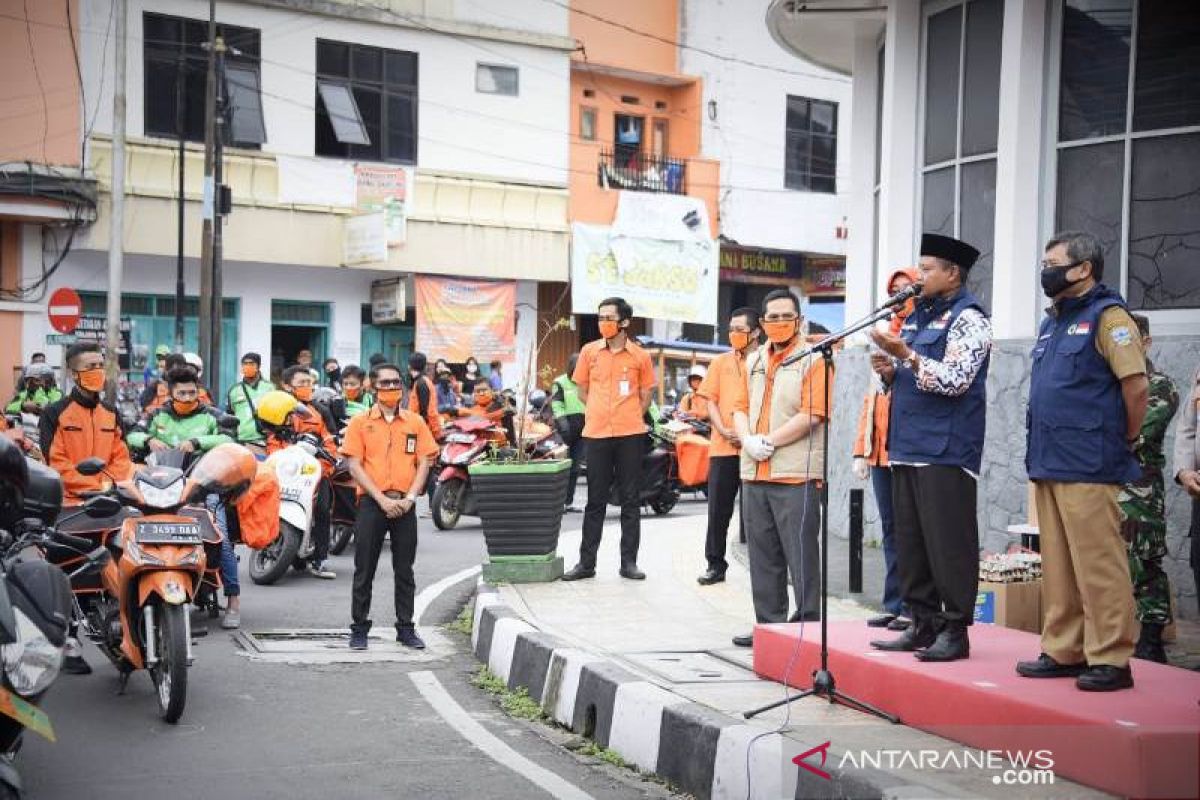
{"x": 10, "y": 321}
{"x": 38, "y": 124}
{"x": 614, "y": 46}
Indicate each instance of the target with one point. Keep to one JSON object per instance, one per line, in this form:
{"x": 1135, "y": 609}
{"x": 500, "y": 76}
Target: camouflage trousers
{"x": 1144, "y": 529}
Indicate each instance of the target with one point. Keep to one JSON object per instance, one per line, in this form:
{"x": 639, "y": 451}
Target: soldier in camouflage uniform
{"x": 1143, "y": 513}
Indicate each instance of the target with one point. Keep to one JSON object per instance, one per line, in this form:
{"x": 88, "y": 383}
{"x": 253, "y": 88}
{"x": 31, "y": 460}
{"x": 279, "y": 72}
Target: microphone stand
{"x": 824, "y": 684}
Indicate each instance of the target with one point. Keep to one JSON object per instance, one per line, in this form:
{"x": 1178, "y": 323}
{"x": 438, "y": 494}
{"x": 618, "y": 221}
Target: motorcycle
{"x": 659, "y": 486}
{"x": 345, "y": 509}
{"x": 298, "y": 468}
{"x": 137, "y": 614}
{"x": 466, "y": 440}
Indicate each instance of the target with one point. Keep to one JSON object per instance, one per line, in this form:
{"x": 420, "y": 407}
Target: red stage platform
{"x": 1141, "y": 742}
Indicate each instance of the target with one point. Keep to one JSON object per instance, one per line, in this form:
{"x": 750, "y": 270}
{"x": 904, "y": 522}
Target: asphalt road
{"x": 283, "y": 730}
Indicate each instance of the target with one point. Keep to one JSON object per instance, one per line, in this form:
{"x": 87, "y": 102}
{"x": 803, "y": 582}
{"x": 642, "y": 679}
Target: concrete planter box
{"x": 521, "y": 505}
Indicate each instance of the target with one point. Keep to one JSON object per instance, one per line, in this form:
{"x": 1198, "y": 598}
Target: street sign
{"x": 387, "y": 301}
{"x": 64, "y": 309}
{"x": 93, "y": 329}
{"x": 61, "y": 338}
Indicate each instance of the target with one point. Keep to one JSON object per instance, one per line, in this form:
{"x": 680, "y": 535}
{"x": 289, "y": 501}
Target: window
{"x": 176, "y": 79}
{"x": 494, "y": 79}
{"x": 961, "y": 122}
{"x": 1128, "y": 147}
{"x": 587, "y": 123}
{"x": 810, "y": 158}
{"x": 366, "y": 100}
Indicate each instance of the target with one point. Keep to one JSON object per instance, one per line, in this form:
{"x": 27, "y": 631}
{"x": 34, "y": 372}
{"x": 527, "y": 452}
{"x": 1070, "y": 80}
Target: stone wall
{"x": 1003, "y": 485}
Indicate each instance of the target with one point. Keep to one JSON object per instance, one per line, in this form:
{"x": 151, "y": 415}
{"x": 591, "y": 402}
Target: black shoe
{"x": 710, "y": 577}
{"x": 358, "y": 640}
{"x": 951, "y": 645}
{"x": 744, "y": 640}
{"x": 918, "y": 635}
{"x": 808, "y": 616}
{"x": 1047, "y": 667}
{"x": 631, "y": 572}
{"x": 76, "y": 665}
{"x": 579, "y": 572}
{"x": 899, "y": 624}
{"x": 882, "y": 621}
{"x": 407, "y": 636}
{"x": 1105, "y": 678}
{"x": 1150, "y": 644}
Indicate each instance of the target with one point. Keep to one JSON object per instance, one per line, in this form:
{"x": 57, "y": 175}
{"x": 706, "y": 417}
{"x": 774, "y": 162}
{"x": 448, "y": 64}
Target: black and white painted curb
{"x": 699, "y": 750}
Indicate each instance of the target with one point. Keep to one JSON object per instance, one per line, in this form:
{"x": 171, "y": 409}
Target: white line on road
{"x": 430, "y": 593}
{"x": 436, "y": 695}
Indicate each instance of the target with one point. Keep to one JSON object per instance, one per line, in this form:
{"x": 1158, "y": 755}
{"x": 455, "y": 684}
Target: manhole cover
{"x": 332, "y": 646}
{"x": 691, "y": 667}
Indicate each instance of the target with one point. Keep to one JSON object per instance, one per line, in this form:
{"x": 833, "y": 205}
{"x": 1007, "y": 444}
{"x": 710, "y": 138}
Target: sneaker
{"x": 231, "y": 621}
{"x": 408, "y": 637}
{"x": 358, "y": 640}
{"x": 318, "y": 570}
{"x": 73, "y": 661}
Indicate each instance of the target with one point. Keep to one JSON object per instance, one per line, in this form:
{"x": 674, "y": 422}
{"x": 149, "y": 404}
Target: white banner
{"x": 364, "y": 240}
{"x": 316, "y": 181}
{"x": 667, "y": 280}
{"x": 670, "y": 217}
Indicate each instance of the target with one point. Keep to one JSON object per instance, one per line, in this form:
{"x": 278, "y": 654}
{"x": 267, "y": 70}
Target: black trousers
{"x": 937, "y": 541}
{"x": 723, "y": 484}
{"x": 370, "y": 528}
{"x": 322, "y": 511}
{"x": 617, "y": 460}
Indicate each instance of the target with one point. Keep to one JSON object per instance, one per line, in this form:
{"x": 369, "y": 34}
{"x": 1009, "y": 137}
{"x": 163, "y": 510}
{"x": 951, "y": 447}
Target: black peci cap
{"x": 949, "y": 248}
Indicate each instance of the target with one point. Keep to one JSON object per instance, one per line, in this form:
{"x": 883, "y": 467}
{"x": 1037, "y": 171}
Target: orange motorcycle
{"x": 137, "y": 611}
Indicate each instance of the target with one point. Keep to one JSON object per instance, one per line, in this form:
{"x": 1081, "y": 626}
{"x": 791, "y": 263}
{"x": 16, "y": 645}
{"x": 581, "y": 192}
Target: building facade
{"x": 1000, "y": 122}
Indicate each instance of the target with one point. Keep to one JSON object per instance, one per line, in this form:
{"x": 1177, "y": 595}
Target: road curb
{"x": 697, "y": 749}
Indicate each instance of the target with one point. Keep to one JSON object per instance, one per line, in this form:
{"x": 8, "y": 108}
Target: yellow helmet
{"x": 273, "y": 408}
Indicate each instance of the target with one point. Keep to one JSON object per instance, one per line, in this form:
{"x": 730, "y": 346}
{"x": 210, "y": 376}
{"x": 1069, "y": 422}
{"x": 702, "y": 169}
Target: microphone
{"x": 902, "y": 296}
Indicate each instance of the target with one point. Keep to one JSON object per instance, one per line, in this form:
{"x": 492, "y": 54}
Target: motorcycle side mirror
{"x": 99, "y": 557}
{"x": 90, "y": 466}
{"x": 102, "y": 506}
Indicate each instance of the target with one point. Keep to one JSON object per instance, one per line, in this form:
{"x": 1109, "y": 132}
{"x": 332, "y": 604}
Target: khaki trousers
{"x": 1087, "y": 595}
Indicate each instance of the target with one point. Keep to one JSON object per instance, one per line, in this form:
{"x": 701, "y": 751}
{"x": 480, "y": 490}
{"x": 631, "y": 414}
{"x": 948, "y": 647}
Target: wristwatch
{"x": 912, "y": 360}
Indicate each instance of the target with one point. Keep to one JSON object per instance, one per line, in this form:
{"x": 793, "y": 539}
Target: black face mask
{"x": 1054, "y": 279}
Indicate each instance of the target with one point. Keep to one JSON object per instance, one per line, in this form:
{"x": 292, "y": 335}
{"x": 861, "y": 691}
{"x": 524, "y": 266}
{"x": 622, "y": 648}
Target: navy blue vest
{"x": 928, "y": 428}
{"x": 1076, "y": 418}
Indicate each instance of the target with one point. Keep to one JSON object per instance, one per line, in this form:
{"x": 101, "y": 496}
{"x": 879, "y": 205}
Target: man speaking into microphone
{"x": 937, "y": 372}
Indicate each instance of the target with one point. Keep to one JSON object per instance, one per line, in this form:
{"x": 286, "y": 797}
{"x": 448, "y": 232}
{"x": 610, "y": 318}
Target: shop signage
{"x": 387, "y": 301}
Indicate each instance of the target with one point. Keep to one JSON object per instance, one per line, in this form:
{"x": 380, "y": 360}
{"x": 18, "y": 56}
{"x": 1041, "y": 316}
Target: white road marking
{"x": 430, "y": 593}
{"x": 436, "y": 695}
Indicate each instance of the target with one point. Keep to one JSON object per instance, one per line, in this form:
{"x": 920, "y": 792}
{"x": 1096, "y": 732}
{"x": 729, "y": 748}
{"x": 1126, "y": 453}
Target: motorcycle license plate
{"x": 26, "y": 713}
{"x": 168, "y": 533}
{"x": 460, "y": 438}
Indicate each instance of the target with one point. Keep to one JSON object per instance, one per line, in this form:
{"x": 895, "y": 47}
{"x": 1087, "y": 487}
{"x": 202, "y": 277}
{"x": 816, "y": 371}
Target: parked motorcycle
{"x": 659, "y": 486}
{"x": 138, "y": 614}
{"x": 465, "y": 441}
{"x": 298, "y": 468}
{"x": 345, "y": 509}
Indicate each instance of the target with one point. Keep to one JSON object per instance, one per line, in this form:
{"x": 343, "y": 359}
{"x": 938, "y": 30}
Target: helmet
{"x": 161, "y": 350}
{"x": 40, "y": 372}
{"x": 537, "y": 399}
{"x": 14, "y": 480}
{"x": 698, "y": 371}
{"x": 273, "y": 409}
{"x": 194, "y": 360}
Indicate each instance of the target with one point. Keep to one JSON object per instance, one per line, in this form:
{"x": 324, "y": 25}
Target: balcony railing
{"x": 640, "y": 172}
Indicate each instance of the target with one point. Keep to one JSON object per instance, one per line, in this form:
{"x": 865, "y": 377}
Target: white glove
{"x": 860, "y": 468}
{"x": 757, "y": 447}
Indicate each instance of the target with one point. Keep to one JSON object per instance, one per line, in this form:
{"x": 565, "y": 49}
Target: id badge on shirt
{"x": 623, "y": 388}
{"x": 410, "y": 444}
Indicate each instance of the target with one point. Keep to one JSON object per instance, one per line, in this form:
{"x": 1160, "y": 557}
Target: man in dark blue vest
{"x": 937, "y": 371}
{"x": 1087, "y": 397}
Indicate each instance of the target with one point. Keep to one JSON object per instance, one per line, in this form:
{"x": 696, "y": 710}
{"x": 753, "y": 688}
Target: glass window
{"x": 937, "y": 215}
{"x": 1164, "y": 222}
{"x": 245, "y": 105}
{"x": 944, "y": 43}
{"x": 977, "y": 225}
{"x": 981, "y": 79}
{"x": 810, "y": 156}
{"x": 366, "y": 103}
{"x": 587, "y": 124}
{"x": 1089, "y": 197}
{"x": 1166, "y": 90}
{"x": 493, "y": 79}
{"x": 1095, "y": 68}
{"x": 339, "y": 106}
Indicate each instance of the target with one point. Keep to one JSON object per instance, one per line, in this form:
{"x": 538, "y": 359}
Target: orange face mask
{"x": 781, "y": 332}
{"x": 738, "y": 340}
{"x": 388, "y": 397}
{"x": 609, "y": 328}
{"x": 303, "y": 393}
{"x": 249, "y": 371}
{"x": 483, "y": 398}
{"x": 185, "y": 407}
{"x": 352, "y": 393}
{"x": 91, "y": 379}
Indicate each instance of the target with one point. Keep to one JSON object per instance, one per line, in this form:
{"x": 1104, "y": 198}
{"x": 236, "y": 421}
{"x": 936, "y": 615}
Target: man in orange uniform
{"x": 422, "y": 396}
{"x": 77, "y": 427}
{"x": 486, "y": 405}
{"x": 389, "y": 451}
{"x": 314, "y": 419}
{"x": 781, "y": 419}
{"x": 726, "y": 379}
{"x": 615, "y": 379}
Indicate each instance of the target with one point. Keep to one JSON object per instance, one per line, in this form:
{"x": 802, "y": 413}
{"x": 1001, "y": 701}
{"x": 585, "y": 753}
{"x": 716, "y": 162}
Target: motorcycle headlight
{"x": 155, "y": 497}
{"x": 32, "y": 662}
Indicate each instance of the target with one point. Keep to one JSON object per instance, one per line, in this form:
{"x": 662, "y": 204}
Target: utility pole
{"x": 213, "y": 363}
{"x": 206, "y": 243}
{"x": 116, "y": 244}
{"x": 180, "y": 121}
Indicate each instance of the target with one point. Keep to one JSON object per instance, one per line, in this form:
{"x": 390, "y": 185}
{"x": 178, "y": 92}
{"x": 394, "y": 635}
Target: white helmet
{"x": 194, "y": 360}
{"x": 698, "y": 371}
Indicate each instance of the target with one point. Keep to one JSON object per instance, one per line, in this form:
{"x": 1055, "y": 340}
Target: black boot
{"x": 1150, "y": 643}
{"x": 951, "y": 644}
{"x": 921, "y": 633}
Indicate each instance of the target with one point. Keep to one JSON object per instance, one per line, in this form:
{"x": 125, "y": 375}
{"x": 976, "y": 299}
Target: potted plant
{"x": 520, "y": 498}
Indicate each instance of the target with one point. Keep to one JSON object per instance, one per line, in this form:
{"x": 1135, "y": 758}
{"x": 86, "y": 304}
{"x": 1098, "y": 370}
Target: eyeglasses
{"x": 388, "y": 384}
{"x": 781, "y": 317}
{"x": 1072, "y": 265}
{"x": 609, "y": 318}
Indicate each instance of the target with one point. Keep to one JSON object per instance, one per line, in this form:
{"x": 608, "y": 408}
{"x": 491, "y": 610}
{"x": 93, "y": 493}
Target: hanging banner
{"x": 458, "y": 318}
{"x": 313, "y": 182}
{"x": 364, "y": 240}
{"x": 667, "y": 280}
{"x": 670, "y": 217}
{"x": 386, "y": 189}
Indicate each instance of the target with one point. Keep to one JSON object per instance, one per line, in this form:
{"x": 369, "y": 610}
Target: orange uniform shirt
{"x": 487, "y": 412}
{"x": 812, "y": 402}
{"x": 695, "y": 404}
{"x": 390, "y": 452}
{"x": 613, "y": 382}
{"x": 77, "y": 432}
{"x": 725, "y": 375}
{"x": 313, "y": 423}
{"x": 432, "y": 418}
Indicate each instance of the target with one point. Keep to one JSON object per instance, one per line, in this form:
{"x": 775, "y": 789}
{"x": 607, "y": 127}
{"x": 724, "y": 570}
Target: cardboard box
{"x": 1013, "y": 605}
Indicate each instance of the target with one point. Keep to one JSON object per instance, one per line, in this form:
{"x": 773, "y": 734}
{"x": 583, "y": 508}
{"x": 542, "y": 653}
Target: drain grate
{"x": 691, "y": 667}
{"x": 332, "y": 646}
